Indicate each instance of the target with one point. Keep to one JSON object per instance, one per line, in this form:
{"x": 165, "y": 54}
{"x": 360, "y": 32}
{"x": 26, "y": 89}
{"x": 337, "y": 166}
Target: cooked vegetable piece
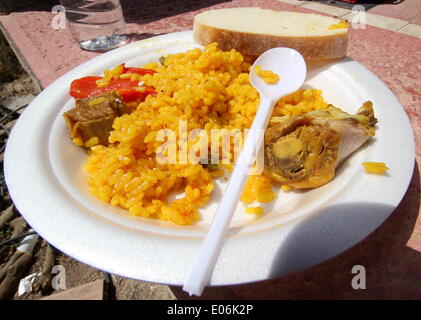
{"x": 140, "y": 71}
{"x": 127, "y": 88}
{"x": 84, "y": 87}
{"x": 87, "y": 87}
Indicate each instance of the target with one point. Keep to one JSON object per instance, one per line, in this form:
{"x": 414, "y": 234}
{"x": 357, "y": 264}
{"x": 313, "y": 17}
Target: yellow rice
{"x": 255, "y": 210}
{"x": 339, "y": 25}
{"x": 268, "y": 76}
{"x": 209, "y": 89}
{"x": 375, "y": 167}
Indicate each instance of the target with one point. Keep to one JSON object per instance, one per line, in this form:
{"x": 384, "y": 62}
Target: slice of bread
{"x": 252, "y": 31}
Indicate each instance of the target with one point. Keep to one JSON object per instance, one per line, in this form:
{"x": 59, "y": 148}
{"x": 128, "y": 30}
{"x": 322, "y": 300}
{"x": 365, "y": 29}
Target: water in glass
{"x": 97, "y": 25}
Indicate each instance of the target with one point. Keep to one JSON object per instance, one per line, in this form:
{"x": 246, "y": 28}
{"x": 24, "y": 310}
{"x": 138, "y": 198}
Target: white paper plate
{"x": 45, "y": 175}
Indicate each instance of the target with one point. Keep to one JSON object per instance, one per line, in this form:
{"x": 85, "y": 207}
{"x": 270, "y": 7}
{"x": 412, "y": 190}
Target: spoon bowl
{"x": 288, "y": 64}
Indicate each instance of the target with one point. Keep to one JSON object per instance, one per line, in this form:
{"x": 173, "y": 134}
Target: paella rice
{"x": 268, "y": 76}
{"x": 207, "y": 89}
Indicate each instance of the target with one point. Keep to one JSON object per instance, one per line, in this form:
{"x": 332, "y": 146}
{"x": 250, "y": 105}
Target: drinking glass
{"x": 97, "y": 25}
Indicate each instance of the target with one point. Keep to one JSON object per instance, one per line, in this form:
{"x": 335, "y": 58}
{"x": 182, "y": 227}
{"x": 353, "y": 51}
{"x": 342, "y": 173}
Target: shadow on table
{"x": 142, "y": 36}
{"x": 8, "y": 6}
{"x": 392, "y": 268}
{"x": 366, "y": 4}
{"x": 151, "y": 10}
{"x": 362, "y": 2}
{"x": 134, "y": 10}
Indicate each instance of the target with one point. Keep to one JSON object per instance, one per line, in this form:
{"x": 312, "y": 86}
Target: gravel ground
{"x": 17, "y": 90}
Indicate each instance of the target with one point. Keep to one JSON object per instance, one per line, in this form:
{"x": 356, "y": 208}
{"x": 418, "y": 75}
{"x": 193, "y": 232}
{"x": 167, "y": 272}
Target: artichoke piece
{"x": 304, "y": 151}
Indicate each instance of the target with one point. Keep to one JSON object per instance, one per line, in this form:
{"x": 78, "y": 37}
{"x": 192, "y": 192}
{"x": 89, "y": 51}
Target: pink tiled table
{"x": 407, "y": 10}
{"x": 391, "y": 255}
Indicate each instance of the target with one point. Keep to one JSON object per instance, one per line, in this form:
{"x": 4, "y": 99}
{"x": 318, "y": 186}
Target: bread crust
{"x": 311, "y": 47}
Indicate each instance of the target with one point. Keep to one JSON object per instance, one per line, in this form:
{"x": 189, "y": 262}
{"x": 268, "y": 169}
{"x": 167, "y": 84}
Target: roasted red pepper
{"x": 140, "y": 71}
{"x": 84, "y": 87}
{"x": 131, "y": 94}
{"x": 87, "y": 87}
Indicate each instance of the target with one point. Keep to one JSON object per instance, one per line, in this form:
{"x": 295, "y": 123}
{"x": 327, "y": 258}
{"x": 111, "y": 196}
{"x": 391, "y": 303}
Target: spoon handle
{"x": 205, "y": 262}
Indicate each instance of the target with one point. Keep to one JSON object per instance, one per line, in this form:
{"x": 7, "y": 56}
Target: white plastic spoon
{"x": 291, "y": 68}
